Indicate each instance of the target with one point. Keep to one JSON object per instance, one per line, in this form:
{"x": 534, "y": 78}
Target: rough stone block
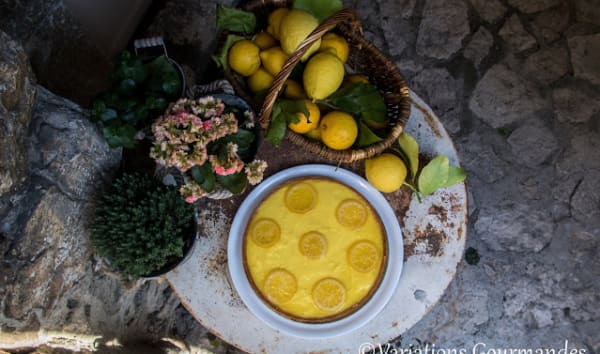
{"x": 490, "y": 10}
{"x": 17, "y": 92}
{"x": 502, "y": 97}
{"x": 548, "y": 65}
{"x": 444, "y": 25}
{"x": 585, "y": 56}
{"x": 516, "y": 35}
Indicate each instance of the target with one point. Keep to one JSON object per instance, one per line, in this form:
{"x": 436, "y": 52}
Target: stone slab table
{"x": 434, "y": 235}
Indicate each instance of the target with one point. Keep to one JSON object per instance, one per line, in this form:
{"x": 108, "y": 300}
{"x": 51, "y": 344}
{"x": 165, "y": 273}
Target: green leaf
{"x": 434, "y": 175}
{"x": 410, "y": 147}
{"x": 472, "y": 256}
{"x": 284, "y": 112}
{"x": 120, "y": 135}
{"x": 164, "y": 77}
{"x": 243, "y": 139}
{"x": 98, "y": 107}
{"x": 455, "y": 175}
{"x": 235, "y": 183}
{"x": 133, "y": 69}
{"x": 221, "y": 58}
{"x": 366, "y": 136}
{"x": 235, "y": 20}
{"x": 158, "y": 103}
{"x": 319, "y": 8}
{"x": 108, "y": 115}
{"x": 204, "y": 176}
{"x": 361, "y": 100}
{"x": 126, "y": 87}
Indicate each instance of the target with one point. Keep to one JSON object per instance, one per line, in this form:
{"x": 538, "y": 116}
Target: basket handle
{"x": 290, "y": 64}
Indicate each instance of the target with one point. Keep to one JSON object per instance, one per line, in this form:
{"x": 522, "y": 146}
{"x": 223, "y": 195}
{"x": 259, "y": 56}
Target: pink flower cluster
{"x": 183, "y": 134}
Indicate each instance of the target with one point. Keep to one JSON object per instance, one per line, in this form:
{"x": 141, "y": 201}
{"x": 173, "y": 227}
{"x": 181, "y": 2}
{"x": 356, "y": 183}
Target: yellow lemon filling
{"x": 315, "y": 249}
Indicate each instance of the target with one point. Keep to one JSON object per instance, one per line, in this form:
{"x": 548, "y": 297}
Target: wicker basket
{"x": 364, "y": 58}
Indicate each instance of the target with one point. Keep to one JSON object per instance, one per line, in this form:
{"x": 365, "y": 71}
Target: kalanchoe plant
{"x": 210, "y": 143}
{"x": 140, "y": 92}
{"x": 141, "y": 225}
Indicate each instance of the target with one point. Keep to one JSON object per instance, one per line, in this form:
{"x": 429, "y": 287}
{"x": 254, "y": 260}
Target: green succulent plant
{"x": 140, "y": 225}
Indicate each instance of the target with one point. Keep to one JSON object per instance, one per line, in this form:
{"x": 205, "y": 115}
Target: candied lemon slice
{"x": 329, "y": 294}
{"x": 363, "y": 256}
{"x": 280, "y": 286}
{"x": 351, "y": 213}
{"x": 265, "y": 232}
{"x": 300, "y": 197}
{"x": 313, "y": 245}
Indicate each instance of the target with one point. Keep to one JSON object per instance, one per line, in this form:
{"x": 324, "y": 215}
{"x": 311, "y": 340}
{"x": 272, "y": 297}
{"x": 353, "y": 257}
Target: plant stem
{"x": 419, "y": 198}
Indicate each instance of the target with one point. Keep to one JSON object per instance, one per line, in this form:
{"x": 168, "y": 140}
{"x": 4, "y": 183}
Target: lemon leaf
{"x": 235, "y": 20}
{"x": 410, "y": 148}
{"x": 221, "y": 58}
{"x": 361, "y": 100}
{"x": 284, "y": 112}
{"x": 319, "y": 8}
{"x": 455, "y": 175}
{"x": 366, "y": 136}
{"x": 434, "y": 175}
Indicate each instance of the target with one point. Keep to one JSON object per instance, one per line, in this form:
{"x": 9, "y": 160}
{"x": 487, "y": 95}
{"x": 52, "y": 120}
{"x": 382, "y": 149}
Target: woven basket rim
{"x": 344, "y": 19}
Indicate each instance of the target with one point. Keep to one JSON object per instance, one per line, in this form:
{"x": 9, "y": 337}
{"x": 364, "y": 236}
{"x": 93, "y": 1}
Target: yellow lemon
{"x": 329, "y": 294}
{"x": 295, "y": 26}
{"x": 351, "y": 213}
{"x": 306, "y": 124}
{"x": 335, "y": 44}
{"x": 265, "y": 232}
{"x": 385, "y": 172}
{"x": 338, "y": 130}
{"x": 322, "y": 75}
{"x": 314, "y": 134}
{"x": 355, "y": 78}
{"x": 363, "y": 256}
{"x": 274, "y": 21}
{"x": 280, "y": 286}
{"x": 300, "y": 197}
{"x": 313, "y": 245}
{"x": 292, "y": 89}
{"x": 273, "y": 59}
{"x": 259, "y": 81}
{"x": 264, "y": 40}
{"x": 243, "y": 57}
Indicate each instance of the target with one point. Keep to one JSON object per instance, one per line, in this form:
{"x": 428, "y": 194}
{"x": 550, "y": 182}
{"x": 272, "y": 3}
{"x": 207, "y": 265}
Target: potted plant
{"x": 142, "y": 227}
{"x": 140, "y": 91}
{"x": 211, "y": 141}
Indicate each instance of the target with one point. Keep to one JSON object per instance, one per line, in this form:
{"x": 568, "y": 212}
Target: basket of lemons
{"x": 313, "y": 77}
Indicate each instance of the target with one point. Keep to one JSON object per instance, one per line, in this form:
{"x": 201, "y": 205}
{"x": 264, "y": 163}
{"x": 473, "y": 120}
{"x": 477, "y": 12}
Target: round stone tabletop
{"x": 434, "y": 235}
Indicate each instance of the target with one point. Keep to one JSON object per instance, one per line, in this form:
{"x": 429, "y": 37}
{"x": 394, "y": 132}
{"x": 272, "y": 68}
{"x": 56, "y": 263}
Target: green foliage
{"x": 364, "y": 102}
{"x": 140, "y": 225}
{"x": 472, "y": 256}
{"x": 235, "y": 20}
{"x": 221, "y": 58}
{"x": 435, "y": 175}
{"x": 139, "y": 93}
{"x": 360, "y": 99}
{"x": 284, "y": 112}
{"x": 319, "y": 8}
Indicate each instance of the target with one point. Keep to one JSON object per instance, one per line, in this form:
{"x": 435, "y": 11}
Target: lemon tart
{"x": 314, "y": 250}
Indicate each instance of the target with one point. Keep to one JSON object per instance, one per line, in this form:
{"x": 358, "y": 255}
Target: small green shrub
{"x": 140, "y": 225}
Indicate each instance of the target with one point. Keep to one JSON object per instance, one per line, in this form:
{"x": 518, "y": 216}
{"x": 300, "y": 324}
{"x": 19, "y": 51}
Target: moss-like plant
{"x": 140, "y": 225}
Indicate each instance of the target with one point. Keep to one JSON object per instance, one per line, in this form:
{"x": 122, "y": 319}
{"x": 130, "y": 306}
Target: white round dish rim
{"x": 360, "y": 317}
